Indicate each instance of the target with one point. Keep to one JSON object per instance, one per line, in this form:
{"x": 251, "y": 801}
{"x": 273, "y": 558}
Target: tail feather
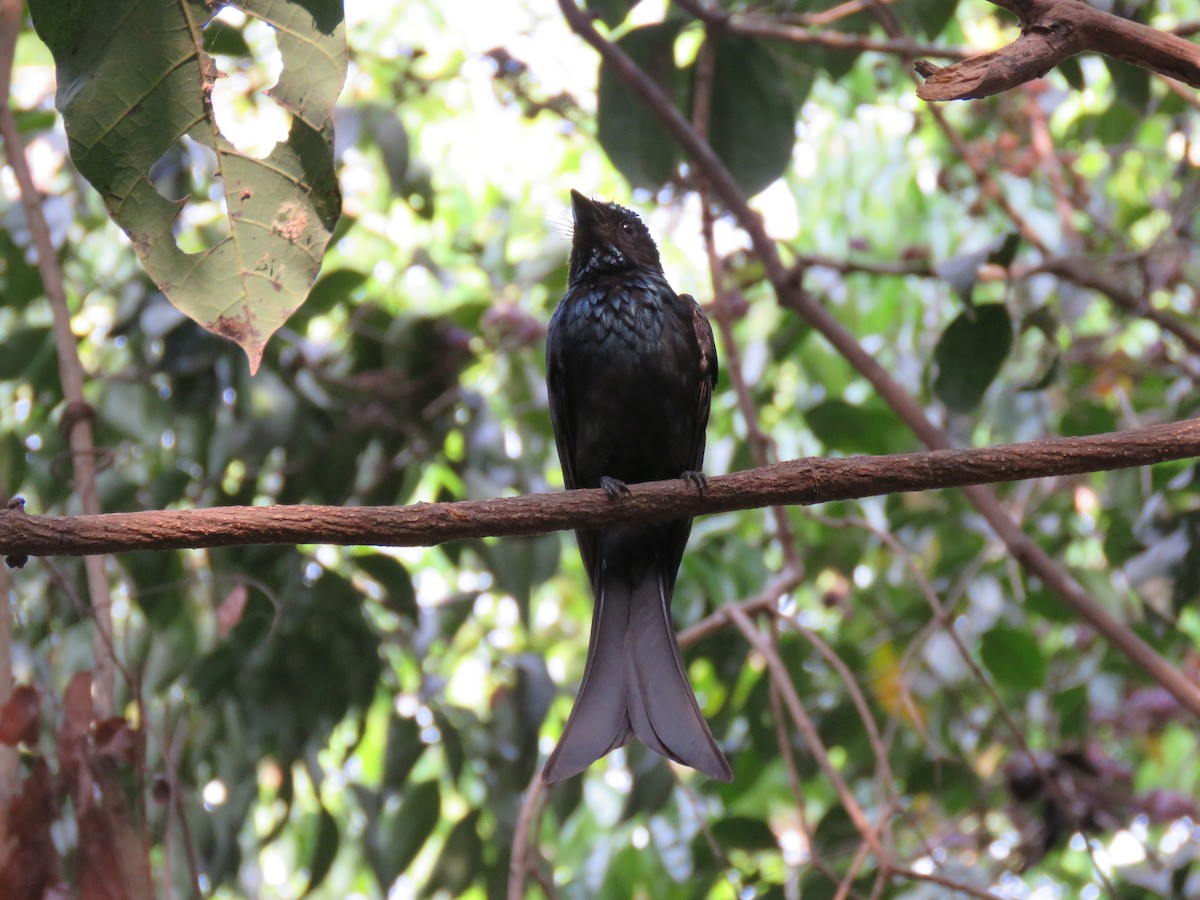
{"x": 663, "y": 708}
{"x": 599, "y": 721}
{"x": 634, "y": 680}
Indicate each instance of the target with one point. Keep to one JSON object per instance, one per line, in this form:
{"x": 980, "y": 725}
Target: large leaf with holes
{"x": 121, "y": 118}
{"x": 638, "y": 144}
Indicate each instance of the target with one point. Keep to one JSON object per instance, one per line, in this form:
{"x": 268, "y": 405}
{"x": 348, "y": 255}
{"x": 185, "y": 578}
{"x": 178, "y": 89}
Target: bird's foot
{"x": 696, "y": 478}
{"x": 613, "y": 487}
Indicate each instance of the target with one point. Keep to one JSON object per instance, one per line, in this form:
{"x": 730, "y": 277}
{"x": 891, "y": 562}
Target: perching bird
{"x": 630, "y": 371}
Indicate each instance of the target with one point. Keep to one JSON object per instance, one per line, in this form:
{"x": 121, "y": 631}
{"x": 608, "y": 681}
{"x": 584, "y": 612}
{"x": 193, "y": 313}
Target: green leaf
{"x": 324, "y": 852}
{"x": 848, "y": 428}
{"x": 1013, "y": 657}
{"x": 122, "y": 118}
{"x": 404, "y": 748}
{"x": 29, "y": 353}
{"x": 632, "y": 136}
{"x": 20, "y": 280}
{"x": 400, "y": 597}
{"x": 403, "y": 833}
{"x": 1116, "y": 124}
{"x": 1120, "y": 542}
{"x": 836, "y": 833}
{"x": 969, "y": 354}
{"x": 460, "y": 860}
{"x": 1132, "y": 83}
{"x": 744, "y": 833}
{"x": 1072, "y": 708}
{"x": 929, "y": 17}
{"x": 1049, "y": 605}
{"x": 952, "y": 784}
{"x": 222, "y": 38}
{"x": 1072, "y": 71}
{"x": 1087, "y": 417}
{"x": 752, "y": 123}
{"x": 1005, "y": 250}
{"x": 521, "y": 564}
{"x": 1044, "y": 320}
{"x": 332, "y": 289}
{"x": 611, "y": 12}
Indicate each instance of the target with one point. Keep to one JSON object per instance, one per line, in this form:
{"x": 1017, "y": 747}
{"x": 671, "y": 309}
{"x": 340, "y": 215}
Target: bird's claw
{"x": 613, "y": 487}
{"x": 696, "y": 478}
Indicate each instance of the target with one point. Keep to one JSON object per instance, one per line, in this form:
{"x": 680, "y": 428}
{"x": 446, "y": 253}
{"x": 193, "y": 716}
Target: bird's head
{"x": 608, "y": 238}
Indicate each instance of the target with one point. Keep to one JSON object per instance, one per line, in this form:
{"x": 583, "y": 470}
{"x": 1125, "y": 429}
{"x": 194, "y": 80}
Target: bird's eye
{"x": 627, "y": 227}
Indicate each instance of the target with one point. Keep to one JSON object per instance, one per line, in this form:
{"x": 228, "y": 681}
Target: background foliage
{"x": 351, "y": 722}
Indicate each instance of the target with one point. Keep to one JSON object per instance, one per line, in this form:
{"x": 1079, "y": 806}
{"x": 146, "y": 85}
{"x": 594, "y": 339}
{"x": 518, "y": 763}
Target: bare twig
{"x": 523, "y": 836}
{"x": 812, "y": 739}
{"x": 815, "y": 31}
{"x": 77, "y": 414}
{"x": 1053, "y": 31}
{"x": 948, "y": 883}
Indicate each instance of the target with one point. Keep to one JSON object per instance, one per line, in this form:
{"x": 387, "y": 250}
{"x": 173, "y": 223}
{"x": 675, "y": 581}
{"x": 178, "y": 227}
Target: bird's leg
{"x": 696, "y": 478}
{"x": 613, "y": 487}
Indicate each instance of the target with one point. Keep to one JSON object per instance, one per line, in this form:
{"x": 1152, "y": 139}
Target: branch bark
{"x": 801, "y": 481}
{"x": 1052, "y": 31}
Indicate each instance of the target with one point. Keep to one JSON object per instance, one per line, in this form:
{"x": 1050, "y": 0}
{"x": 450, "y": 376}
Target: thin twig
{"x": 817, "y": 33}
{"x": 78, "y": 415}
{"x": 812, "y": 739}
{"x": 524, "y": 837}
{"x": 949, "y": 883}
{"x": 942, "y": 620}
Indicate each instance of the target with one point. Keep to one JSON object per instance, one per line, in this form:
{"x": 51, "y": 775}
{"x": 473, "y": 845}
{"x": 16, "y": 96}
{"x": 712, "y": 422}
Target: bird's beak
{"x": 586, "y": 212}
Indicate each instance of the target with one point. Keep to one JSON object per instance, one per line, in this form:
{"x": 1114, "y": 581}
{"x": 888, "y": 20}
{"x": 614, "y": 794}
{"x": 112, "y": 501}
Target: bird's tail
{"x": 634, "y": 681}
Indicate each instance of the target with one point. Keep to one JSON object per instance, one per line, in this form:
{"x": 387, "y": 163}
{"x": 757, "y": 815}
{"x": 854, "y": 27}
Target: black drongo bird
{"x": 630, "y": 370}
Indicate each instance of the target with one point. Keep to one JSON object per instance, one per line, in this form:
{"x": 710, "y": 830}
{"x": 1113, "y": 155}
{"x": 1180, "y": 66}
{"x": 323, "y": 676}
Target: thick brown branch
{"x": 803, "y": 481}
{"x": 1052, "y": 31}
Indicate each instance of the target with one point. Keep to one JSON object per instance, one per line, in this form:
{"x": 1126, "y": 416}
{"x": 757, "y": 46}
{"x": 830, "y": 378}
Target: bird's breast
{"x": 619, "y": 318}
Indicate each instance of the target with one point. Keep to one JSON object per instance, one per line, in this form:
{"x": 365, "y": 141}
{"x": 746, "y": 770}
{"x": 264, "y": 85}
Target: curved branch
{"x": 801, "y": 481}
{"x": 1052, "y": 31}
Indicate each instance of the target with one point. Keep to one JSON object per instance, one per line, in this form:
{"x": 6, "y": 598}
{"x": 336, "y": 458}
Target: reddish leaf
{"x": 77, "y": 704}
{"x": 230, "y": 611}
{"x": 20, "y": 717}
{"x": 112, "y": 862}
{"x": 73, "y": 736}
{"x": 114, "y": 738}
{"x": 99, "y": 874}
{"x": 29, "y": 865}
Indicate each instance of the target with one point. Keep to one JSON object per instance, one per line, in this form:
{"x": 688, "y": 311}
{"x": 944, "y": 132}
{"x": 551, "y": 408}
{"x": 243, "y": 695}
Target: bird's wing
{"x": 708, "y": 372}
{"x": 560, "y": 392}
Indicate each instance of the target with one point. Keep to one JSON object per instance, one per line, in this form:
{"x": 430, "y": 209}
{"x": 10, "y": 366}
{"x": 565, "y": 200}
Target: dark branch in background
{"x": 791, "y": 294}
{"x": 77, "y": 416}
{"x": 804, "y": 32}
{"x": 802, "y": 481}
{"x": 1052, "y": 31}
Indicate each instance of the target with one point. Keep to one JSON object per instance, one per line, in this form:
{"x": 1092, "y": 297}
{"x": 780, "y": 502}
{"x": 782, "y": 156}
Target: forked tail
{"x": 634, "y": 681}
